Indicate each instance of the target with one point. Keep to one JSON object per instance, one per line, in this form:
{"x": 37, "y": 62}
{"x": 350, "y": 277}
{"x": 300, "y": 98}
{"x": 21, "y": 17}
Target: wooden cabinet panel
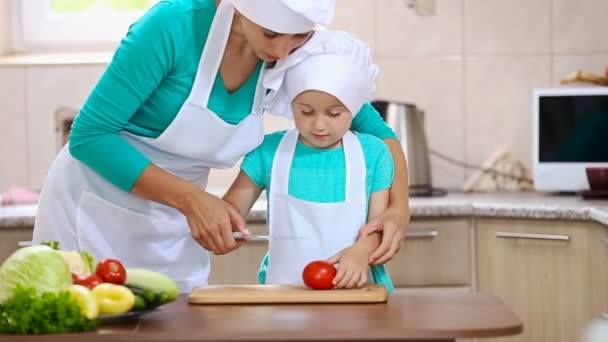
{"x": 240, "y": 266}
{"x": 9, "y": 237}
{"x": 435, "y": 253}
{"x": 553, "y": 274}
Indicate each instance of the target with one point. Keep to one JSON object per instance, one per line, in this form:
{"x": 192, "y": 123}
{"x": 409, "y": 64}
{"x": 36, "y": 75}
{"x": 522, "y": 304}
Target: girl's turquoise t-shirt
{"x": 319, "y": 175}
{"x": 148, "y": 80}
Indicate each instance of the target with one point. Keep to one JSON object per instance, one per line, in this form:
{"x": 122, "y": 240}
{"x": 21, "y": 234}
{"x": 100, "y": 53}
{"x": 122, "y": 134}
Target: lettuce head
{"x": 39, "y": 267}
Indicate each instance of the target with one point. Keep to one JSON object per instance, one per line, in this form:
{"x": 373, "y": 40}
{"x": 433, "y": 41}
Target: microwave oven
{"x": 570, "y": 134}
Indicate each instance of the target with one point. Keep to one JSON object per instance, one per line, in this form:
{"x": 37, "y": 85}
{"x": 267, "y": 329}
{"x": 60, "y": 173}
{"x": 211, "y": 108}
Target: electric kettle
{"x": 407, "y": 121}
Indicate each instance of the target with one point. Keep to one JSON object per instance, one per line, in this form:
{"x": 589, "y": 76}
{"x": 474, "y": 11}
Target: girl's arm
{"x": 378, "y": 203}
{"x": 242, "y": 194}
{"x": 354, "y": 260}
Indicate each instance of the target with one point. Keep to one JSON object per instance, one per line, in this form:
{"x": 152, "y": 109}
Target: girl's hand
{"x": 353, "y": 269}
{"x": 212, "y": 222}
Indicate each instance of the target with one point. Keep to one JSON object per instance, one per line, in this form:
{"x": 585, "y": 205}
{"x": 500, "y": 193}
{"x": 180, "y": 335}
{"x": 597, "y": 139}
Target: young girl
{"x": 323, "y": 181}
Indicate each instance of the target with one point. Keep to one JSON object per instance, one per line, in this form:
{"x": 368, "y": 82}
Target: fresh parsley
{"x": 28, "y": 313}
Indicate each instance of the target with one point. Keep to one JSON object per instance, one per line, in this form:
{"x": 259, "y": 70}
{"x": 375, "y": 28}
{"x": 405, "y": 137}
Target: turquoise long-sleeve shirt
{"x": 148, "y": 80}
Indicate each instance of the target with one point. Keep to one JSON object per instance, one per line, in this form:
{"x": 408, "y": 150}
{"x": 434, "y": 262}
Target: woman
{"x": 181, "y": 95}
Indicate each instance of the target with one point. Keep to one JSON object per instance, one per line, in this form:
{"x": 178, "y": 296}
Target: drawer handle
{"x": 420, "y": 234}
{"x": 24, "y": 243}
{"x": 532, "y": 236}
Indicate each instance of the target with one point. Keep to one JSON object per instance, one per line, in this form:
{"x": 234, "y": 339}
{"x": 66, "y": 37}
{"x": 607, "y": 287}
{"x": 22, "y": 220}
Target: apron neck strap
{"x": 354, "y": 161}
{"x": 212, "y": 54}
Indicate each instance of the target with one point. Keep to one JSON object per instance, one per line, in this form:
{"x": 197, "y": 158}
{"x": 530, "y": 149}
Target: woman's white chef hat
{"x": 287, "y": 16}
{"x": 331, "y": 61}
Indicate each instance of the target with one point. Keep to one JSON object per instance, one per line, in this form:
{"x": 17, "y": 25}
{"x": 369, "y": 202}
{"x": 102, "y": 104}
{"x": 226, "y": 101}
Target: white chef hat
{"x": 287, "y": 16}
{"x": 331, "y": 61}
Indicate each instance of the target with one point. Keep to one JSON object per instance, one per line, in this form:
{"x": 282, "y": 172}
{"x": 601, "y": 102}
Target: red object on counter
{"x": 15, "y": 196}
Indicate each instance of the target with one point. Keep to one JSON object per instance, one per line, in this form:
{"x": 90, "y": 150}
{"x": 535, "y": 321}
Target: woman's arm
{"x": 211, "y": 220}
{"x": 139, "y": 65}
{"x": 394, "y": 220}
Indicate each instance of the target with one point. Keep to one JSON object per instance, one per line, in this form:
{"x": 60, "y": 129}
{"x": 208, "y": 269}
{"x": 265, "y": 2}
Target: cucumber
{"x": 162, "y": 287}
{"x": 140, "y": 303}
{"x": 148, "y": 296}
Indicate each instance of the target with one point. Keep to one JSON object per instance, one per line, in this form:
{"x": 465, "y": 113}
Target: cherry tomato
{"x": 112, "y": 271}
{"x": 87, "y": 280}
{"x": 319, "y": 275}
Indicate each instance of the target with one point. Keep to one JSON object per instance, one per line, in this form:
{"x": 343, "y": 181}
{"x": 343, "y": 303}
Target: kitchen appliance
{"x": 570, "y": 134}
{"x": 258, "y": 294}
{"x": 407, "y": 121}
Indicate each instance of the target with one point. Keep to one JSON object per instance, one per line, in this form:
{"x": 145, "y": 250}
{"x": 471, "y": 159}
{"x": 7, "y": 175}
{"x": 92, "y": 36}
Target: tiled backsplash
{"x": 471, "y": 66}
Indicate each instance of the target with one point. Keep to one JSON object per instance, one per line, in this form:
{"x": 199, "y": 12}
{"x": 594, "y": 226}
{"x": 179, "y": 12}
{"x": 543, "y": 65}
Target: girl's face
{"x": 271, "y": 46}
{"x": 321, "y": 119}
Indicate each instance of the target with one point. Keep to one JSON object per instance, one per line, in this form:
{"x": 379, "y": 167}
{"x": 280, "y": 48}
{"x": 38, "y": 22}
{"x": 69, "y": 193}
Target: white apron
{"x": 303, "y": 231}
{"x": 83, "y": 211}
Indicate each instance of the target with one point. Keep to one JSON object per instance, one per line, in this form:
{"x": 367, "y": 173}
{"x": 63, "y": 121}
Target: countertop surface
{"x": 522, "y": 205}
{"x": 409, "y": 315}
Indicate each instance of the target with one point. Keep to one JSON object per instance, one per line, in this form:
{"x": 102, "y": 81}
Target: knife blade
{"x": 255, "y": 237}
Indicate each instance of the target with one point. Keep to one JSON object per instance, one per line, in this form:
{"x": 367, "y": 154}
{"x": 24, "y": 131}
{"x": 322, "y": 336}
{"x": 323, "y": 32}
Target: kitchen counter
{"x": 501, "y": 205}
{"x": 409, "y": 315}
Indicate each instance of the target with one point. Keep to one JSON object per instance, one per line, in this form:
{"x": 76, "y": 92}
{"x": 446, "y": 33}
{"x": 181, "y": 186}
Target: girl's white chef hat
{"x": 287, "y": 16}
{"x": 331, "y": 61}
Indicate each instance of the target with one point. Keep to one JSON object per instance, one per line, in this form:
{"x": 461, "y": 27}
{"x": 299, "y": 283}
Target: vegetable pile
{"x": 45, "y": 290}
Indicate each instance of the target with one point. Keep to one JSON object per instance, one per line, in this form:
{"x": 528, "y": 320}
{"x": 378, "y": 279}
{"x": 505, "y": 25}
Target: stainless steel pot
{"x": 407, "y": 121}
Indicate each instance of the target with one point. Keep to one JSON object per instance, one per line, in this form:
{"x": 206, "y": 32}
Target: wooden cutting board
{"x": 260, "y": 294}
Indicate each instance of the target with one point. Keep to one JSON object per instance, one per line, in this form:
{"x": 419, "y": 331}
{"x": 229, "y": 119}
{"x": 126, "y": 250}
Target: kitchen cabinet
{"x": 553, "y": 274}
{"x": 436, "y": 252}
{"x": 9, "y": 239}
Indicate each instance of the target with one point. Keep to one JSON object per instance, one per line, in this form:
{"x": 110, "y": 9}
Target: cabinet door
{"x": 240, "y": 266}
{"x": 435, "y": 253}
{"x": 9, "y": 239}
{"x": 553, "y": 274}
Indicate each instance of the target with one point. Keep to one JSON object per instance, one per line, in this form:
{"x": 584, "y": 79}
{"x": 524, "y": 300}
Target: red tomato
{"x": 87, "y": 280}
{"x": 319, "y": 275}
{"x": 111, "y": 271}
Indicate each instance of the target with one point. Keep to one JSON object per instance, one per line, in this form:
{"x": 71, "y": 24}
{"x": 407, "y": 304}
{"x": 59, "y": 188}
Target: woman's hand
{"x": 392, "y": 223}
{"x": 353, "y": 268}
{"x": 212, "y": 222}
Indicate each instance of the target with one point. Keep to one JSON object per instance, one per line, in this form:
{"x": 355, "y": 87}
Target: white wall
{"x": 471, "y": 67}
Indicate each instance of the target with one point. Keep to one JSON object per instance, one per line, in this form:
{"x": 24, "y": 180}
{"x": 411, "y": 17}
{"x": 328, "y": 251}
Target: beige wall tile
{"x": 355, "y": 17}
{"x": 435, "y": 85}
{"x": 498, "y": 95}
{"x": 402, "y": 32}
{"x": 13, "y": 128}
{"x": 580, "y": 26}
{"x": 507, "y": 27}
{"x": 563, "y": 65}
{"x": 4, "y": 27}
{"x": 47, "y": 89}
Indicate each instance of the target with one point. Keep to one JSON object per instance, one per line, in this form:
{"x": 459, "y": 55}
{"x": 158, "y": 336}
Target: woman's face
{"x": 321, "y": 118}
{"x": 268, "y": 45}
